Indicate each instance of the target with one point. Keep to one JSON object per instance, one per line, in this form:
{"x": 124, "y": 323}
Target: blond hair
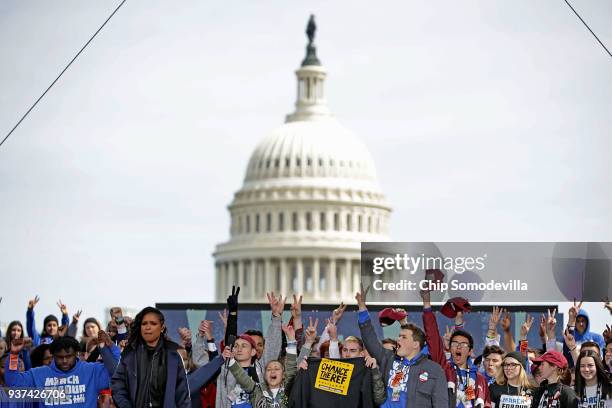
{"x": 524, "y": 382}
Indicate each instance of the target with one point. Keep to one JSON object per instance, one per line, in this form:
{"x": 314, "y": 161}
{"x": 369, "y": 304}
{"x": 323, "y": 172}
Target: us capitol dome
{"x": 310, "y": 197}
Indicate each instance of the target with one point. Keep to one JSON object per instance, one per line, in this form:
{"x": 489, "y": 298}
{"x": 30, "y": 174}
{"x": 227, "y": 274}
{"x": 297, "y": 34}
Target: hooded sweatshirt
{"x": 81, "y": 384}
{"x": 588, "y": 335}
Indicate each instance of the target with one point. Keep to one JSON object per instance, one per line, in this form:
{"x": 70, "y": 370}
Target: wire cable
{"x": 61, "y": 73}
{"x": 589, "y": 28}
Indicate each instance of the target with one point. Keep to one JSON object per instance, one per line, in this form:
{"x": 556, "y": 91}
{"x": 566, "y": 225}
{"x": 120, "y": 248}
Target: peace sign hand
{"x": 62, "y": 307}
{"x": 310, "y": 333}
{"x": 525, "y": 327}
{"x": 33, "y": 302}
{"x": 360, "y": 297}
{"x": 573, "y": 312}
{"x": 338, "y": 312}
{"x": 232, "y": 300}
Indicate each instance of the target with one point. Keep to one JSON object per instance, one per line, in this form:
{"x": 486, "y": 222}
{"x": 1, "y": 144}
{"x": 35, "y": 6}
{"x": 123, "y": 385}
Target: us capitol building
{"x": 310, "y": 197}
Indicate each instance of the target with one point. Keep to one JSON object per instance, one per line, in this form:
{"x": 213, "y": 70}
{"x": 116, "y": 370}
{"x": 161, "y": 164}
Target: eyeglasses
{"x": 460, "y": 345}
{"x": 510, "y": 365}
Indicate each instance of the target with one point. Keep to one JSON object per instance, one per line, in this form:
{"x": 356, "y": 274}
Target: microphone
{"x": 230, "y": 343}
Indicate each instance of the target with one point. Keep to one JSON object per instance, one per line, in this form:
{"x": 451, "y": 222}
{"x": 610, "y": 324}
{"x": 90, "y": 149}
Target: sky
{"x": 487, "y": 120}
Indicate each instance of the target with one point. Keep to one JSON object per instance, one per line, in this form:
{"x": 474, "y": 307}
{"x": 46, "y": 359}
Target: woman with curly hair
{"x": 151, "y": 372}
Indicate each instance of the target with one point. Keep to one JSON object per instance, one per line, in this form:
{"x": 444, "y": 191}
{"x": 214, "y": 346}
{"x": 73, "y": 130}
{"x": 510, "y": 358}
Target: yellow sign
{"x": 334, "y": 376}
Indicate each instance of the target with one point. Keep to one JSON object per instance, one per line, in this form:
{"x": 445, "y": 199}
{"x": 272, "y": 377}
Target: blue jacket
{"x": 82, "y": 383}
{"x": 125, "y": 380}
{"x": 31, "y": 328}
{"x": 588, "y": 335}
{"x": 201, "y": 376}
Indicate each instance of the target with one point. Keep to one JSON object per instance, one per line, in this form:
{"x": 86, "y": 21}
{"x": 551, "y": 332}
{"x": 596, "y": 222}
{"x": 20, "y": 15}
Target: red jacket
{"x": 436, "y": 350}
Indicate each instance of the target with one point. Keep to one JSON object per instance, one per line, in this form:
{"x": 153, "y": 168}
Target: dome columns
{"x": 318, "y": 279}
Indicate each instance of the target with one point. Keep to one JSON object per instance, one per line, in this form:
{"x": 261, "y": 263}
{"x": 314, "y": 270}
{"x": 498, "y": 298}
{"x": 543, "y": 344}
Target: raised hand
{"x": 276, "y": 304}
{"x": 205, "y": 329}
{"x": 551, "y": 323}
{"x": 459, "y": 318}
{"x": 570, "y": 341}
{"x": 446, "y": 338}
{"x": 542, "y": 329}
{"x": 104, "y": 338}
{"x": 62, "y": 307}
{"x": 360, "y": 297}
{"x": 76, "y": 316}
{"x": 426, "y": 296}
{"x": 606, "y": 301}
{"x": 573, "y": 312}
{"x": 338, "y": 313}
{"x": 526, "y": 326}
{"x": 232, "y": 300}
{"x": 185, "y": 334}
{"x": 494, "y": 318}
{"x": 289, "y": 332}
{"x": 296, "y": 307}
{"x": 403, "y": 321}
{"x": 310, "y": 334}
{"x": 332, "y": 330}
{"x": 607, "y": 333}
{"x": 33, "y": 302}
{"x": 223, "y": 317}
{"x": 506, "y": 321}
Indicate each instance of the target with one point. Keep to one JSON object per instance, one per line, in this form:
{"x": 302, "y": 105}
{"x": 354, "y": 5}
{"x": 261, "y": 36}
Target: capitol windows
{"x": 309, "y": 221}
{"x": 359, "y": 223}
{"x": 349, "y": 222}
{"x": 308, "y": 277}
{"x": 239, "y": 224}
{"x": 268, "y": 222}
{"x": 281, "y": 222}
{"x": 247, "y": 273}
{"x": 287, "y": 161}
{"x": 294, "y": 278}
{"x": 309, "y": 162}
{"x": 294, "y": 221}
{"x": 322, "y": 222}
{"x": 277, "y": 163}
{"x": 336, "y": 222}
{"x": 320, "y": 162}
{"x": 257, "y": 223}
{"x": 298, "y": 161}
{"x": 248, "y": 224}
{"x": 268, "y": 164}
{"x": 369, "y": 224}
{"x": 323, "y": 277}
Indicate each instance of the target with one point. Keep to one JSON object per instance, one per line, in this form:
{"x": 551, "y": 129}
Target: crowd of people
{"x": 133, "y": 363}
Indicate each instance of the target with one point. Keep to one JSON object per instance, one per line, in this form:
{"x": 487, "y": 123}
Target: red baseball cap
{"x": 388, "y": 316}
{"x": 553, "y": 357}
{"x": 454, "y": 305}
{"x": 247, "y": 338}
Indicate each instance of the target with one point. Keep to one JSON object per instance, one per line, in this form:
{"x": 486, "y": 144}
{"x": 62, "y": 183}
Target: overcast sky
{"x": 487, "y": 120}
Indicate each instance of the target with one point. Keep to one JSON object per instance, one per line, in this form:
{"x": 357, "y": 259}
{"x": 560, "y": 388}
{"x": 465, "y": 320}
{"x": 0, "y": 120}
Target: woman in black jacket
{"x": 151, "y": 372}
{"x": 552, "y": 393}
